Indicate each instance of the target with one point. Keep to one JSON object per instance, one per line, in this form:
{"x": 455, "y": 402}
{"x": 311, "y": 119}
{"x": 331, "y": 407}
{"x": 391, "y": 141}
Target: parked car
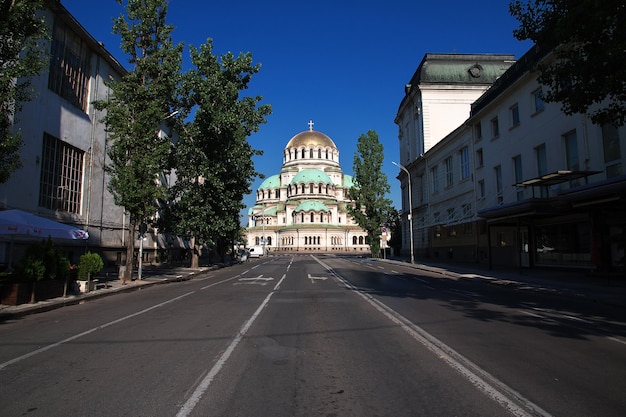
{"x": 243, "y": 255}
{"x": 256, "y": 251}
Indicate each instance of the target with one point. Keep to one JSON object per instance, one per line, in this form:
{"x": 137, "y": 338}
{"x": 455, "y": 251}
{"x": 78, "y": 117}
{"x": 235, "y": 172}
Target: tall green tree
{"x": 371, "y": 209}
{"x": 137, "y": 107}
{"x": 213, "y": 158}
{"x": 22, "y": 55}
{"x": 588, "y": 40}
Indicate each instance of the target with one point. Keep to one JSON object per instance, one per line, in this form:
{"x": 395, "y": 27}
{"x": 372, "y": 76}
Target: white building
{"x": 438, "y": 98}
{"x": 65, "y": 143}
{"x": 303, "y": 208}
{"x": 522, "y": 184}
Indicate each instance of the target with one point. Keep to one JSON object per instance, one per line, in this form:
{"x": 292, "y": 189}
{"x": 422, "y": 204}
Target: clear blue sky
{"x": 344, "y": 66}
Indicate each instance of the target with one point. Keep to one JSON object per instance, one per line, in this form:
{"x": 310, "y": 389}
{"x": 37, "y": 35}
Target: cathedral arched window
{"x": 306, "y": 240}
{"x": 311, "y": 153}
{"x": 319, "y": 153}
{"x": 312, "y": 217}
{"x": 278, "y": 193}
{"x": 360, "y": 240}
{"x": 295, "y": 154}
{"x": 319, "y": 188}
{"x": 303, "y": 154}
{"x": 269, "y": 240}
{"x": 326, "y": 153}
{"x": 311, "y": 188}
{"x": 303, "y": 188}
{"x": 354, "y": 240}
{"x": 302, "y": 218}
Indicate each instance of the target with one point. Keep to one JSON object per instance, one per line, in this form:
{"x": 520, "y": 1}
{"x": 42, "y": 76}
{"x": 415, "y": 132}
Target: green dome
{"x": 311, "y": 206}
{"x": 315, "y": 176}
{"x": 270, "y": 182}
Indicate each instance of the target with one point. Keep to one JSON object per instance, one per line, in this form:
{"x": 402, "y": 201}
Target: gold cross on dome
{"x": 311, "y": 125}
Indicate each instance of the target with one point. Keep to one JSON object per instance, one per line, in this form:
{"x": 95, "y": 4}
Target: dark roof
{"x": 525, "y": 64}
{"x": 480, "y": 69}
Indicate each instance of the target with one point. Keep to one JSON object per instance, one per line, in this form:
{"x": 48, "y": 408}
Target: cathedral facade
{"x": 303, "y": 208}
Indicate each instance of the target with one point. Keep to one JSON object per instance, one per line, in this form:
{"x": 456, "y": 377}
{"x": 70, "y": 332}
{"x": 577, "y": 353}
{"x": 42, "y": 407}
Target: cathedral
{"x": 303, "y": 209}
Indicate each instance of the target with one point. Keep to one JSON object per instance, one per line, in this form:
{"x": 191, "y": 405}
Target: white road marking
{"x": 312, "y": 278}
{"x": 85, "y": 333}
{"x": 193, "y": 400}
{"x": 504, "y": 395}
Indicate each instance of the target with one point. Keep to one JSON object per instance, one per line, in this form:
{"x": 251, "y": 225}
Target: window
{"x": 495, "y": 128}
{"x": 311, "y": 153}
{"x": 303, "y": 154}
{"x": 60, "y": 185}
{"x": 312, "y": 217}
{"x": 319, "y": 154}
{"x": 514, "y": 115}
{"x": 542, "y": 160}
{"x": 538, "y": 100}
{"x": 542, "y": 166}
{"x": 479, "y": 158}
{"x": 498, "y": 174}
{"x": 517, "y": 166}
{"x": 465, "y": 163}
{"x": 478, "y": 132}
{"x": 69, "y": 66}
{"x": 481, "y": 189}
{"x": 449, "y": 172}
{"x": 612, "y": 151}
{"x": 467, "y": 210}
{"x": 434, "y": 175}
{"x": 571, "y": 151}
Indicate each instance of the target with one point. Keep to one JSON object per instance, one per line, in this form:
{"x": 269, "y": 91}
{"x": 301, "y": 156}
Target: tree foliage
{"x": 588, "y": 40}
{"x": 371, "y": 208}
{"x": 213, "y": 158}
{"x": 21, "y": 57}
{"x": 138, "y": 105}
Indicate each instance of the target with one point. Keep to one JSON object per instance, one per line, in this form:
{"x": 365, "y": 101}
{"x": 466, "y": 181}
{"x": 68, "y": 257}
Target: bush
{"x": 89, "y": 263}
{"x": 43, "y": 261}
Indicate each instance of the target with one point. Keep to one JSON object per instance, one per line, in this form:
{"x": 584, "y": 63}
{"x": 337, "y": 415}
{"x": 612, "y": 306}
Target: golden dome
{"x": 310, "y": 138}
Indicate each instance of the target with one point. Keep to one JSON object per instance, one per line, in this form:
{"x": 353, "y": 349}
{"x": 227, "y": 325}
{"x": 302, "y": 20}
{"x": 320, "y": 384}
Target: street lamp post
{"x": 410, "y": 215}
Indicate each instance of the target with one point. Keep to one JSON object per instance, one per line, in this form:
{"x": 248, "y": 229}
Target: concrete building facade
{"x": 519, "y": 183}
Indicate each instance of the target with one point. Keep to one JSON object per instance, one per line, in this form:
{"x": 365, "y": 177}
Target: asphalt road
{"x": 318, "y": 336}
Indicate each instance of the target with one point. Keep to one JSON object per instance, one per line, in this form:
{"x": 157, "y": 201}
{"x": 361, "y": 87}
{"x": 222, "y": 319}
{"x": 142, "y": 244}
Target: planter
{"x": 16, "y": 293}
{"x": 86, "y": 286}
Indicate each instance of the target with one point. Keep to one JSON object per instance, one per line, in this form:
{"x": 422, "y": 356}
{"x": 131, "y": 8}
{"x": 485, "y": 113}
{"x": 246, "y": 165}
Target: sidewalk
{"x": 573, "y": 283}
{"x": 107, "y": 284}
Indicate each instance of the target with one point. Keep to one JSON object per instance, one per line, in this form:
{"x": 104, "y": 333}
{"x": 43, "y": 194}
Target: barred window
{"x": 69, "y": 66}
{"x": 465, "y": 163}
{"x": 61, "y": 182}
{"x": 449, "y": 172}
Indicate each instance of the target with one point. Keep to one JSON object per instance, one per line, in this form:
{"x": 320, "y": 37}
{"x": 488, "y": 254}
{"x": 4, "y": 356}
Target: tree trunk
{"x": 33, "y": 296}
{"x": 130, "y": 253}
{"x": 195, "y": 253}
